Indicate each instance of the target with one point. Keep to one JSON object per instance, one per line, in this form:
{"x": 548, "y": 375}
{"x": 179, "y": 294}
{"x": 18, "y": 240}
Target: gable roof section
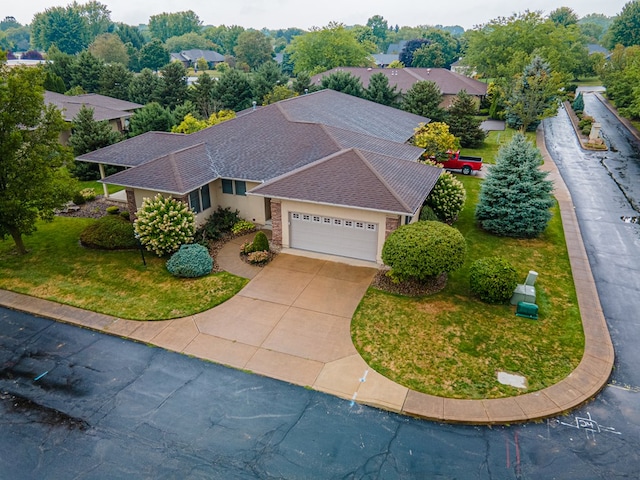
{"x": 450, "y": 83}
{"x": 358, "y": 179}
{"x": 344, "y": 111}
{"x": 178, "y": 172}
{"x": 209, "y": 55}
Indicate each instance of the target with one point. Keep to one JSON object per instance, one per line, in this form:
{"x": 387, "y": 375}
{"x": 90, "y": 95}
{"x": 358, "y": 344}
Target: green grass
{"x": 115, "y": 283}
{"x": 98, "y": 188}
{"x": 492, "y": 144}
{"x": 589, "y": 82}
{"x": 451, "y": 344}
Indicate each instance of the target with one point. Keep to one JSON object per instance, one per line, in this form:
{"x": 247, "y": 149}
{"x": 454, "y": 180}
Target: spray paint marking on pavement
{"x": 590, "y": 426}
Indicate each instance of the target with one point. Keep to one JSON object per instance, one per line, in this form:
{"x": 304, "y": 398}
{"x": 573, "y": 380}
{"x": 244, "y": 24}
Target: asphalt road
{"x": 76, "y": 404}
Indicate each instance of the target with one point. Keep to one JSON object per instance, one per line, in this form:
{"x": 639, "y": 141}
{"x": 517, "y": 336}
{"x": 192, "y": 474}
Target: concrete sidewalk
{"x": 292, "y": 322}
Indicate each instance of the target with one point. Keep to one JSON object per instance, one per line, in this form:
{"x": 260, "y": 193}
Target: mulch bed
{"x": 92, "y": 209}
{"x": 411, "y": 288}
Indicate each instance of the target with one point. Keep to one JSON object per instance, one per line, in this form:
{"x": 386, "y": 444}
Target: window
{"x": 194, "y": 201}
{"x": 241, "y": 188}
{"x": 206, "y": 198}
{"x": 227, "y": 186}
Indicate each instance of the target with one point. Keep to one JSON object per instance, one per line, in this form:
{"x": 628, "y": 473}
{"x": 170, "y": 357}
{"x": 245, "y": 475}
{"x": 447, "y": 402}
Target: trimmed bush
{"x": 492, "y": 279}
{"x": 427, "y": 214}
{"x": 190, "y": 261}
{"x": 242, "y": 227}
{"x": 260, "y": 242}
{"x": 109, "y": 233}
{"x": 163, "y": 224}
{"x": 125, "y": 214}
{"x": 113, "y": 210}
{"x": 423, "y": 250}
{"x": 219, "y": 222}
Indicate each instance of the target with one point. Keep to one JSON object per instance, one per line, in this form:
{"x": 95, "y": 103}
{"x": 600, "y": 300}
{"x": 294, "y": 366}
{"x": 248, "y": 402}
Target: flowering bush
{"x": 447, "y": 198}
{"x": 246, "y": 248}
{"x": 242, "y": 226}
{"x": 259, "y": 258}
{"x": 163, "y": 224}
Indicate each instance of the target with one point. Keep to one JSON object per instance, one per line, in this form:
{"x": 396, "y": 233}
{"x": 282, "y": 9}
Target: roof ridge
{"x": 381, "y": 178}
{"x": 174, "y": 168}
{"x": 415, "y": 75}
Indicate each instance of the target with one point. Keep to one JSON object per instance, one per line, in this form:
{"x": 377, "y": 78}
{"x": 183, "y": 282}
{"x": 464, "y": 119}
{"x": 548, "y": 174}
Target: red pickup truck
{"x": 461, "y": 162}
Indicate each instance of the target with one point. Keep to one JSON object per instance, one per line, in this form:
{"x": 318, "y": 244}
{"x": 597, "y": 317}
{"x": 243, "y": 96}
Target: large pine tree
{"x": 463, "y": 122}
{"x": 380, "y": 91}
{"x": 515, "y": 198}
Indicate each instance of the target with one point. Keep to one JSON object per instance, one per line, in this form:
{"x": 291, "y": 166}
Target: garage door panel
{"x": 335, "y": 236}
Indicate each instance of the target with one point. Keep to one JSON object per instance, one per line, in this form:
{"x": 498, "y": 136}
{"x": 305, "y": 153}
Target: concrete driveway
{"x": 292, "y": 322}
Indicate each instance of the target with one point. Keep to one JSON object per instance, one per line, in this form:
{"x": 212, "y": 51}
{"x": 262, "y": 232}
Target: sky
{"x": 274, "y": 14}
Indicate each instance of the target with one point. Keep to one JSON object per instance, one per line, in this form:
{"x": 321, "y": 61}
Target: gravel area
{"x": 93, "y": 209}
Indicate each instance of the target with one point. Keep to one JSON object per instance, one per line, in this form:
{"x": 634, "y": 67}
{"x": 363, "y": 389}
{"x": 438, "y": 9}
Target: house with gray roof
{"x": 115, "y": 111}
{"x": 189, "y": 58}
{"x": 450, "y": 83}
{"x": 329, "y": 172}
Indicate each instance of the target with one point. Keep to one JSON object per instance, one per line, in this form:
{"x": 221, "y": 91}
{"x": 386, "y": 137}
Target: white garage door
{"x": 335, "y": 236}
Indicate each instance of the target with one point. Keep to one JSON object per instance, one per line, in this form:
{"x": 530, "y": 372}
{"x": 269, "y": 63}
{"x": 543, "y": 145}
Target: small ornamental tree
{"x": 436, "y": 140}
{"x": 515, "y": 197}
{"x": 163, "y": 224}
{"x": 447, "y": 198}
{"x": 423, "y": 250}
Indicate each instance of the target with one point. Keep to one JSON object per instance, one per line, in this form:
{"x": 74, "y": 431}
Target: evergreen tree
{"x": 144, "y": 87}
{"x": 201, "y": 94}
{"x": 115, "y": 81}
{"x": 86, "y": 72}
{"x": 151, "y": 118}
{"x": 463, "y": 122}
{"x": 233, "y": 91}
{"x": 153, "y": 55}
{"x": 515, "y": 197}
{"x": 266, "y": 77}
{"x": 302, "y": 84}
{"x": 379, "y": 91}
{"x": 173, "y": 89}
{"x": 89, "y": 135}
{"x": 424, "y": 98}
{"x": 343, "y": 82}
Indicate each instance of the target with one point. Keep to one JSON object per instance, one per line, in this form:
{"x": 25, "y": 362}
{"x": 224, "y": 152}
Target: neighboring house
{"x": 116, "y": 112}
{"x": 450, "y": 83}
{"x": 188, "y": 58}
{"x": 329, "y": 172}
{"x": 396, "y": 48}
{"x": 595, "y": 48}
{"x": 383, "y": 60}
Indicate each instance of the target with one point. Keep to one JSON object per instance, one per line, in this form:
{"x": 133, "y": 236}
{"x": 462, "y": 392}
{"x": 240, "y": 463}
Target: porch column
{"x": 102, "y": 176}
{"x": 276, "y": 222}
{"x": 131, "y": 204}
{"x": 391, "y": 224}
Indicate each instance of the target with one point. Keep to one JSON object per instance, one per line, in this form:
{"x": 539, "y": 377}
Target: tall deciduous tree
{"x": 253, "y": 48}
{"x": 380, "y": 91}
{"x": 188, "y": 41}
{"x": 32, "y": 182}
{"x": 63, "y": 27}
{"x": 515, "y": 198}
{"x": 343, "y": 82}
{"x": 109, "y": 48}
{"x": 563, "y": 16}
{"x": 424, "y": 98}
{"x": 534, "y": 97}
{"x": 97, "y": 16}
{"x": 225, "y": 37}
{"x": 326, "y": 48}
{"x": 625, "y": 29}
{"x": 379, "y": 27}
{"x": 167, "y": 25}
{"x": 153, "y": 55}
{"x": 464, "y": 123}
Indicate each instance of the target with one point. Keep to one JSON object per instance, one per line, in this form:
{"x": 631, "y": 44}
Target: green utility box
{"x": 527, "y": 310}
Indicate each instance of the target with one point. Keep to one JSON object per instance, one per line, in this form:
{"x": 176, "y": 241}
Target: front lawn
{"x": 452, "y": 345}
{"x": 492, "y": 144}
{"x": 116, "y": 283}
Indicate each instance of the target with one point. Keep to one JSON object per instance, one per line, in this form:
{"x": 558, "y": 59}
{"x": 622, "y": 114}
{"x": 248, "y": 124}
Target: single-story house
{"x": 383, "y": 60}
{"x": 189, "y": 58}
{"x": 450, "y": 83}
{"x": 328, "y": 172}
{"x": 117, "y": 112}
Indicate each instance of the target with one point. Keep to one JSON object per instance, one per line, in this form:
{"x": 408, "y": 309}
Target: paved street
{"x": 79, "y": 404}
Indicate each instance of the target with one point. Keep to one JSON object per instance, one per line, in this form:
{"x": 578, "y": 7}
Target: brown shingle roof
{"x": 104, "y": 108}
{"x": 450, "y": 83}
{"x": 354, "y": 178}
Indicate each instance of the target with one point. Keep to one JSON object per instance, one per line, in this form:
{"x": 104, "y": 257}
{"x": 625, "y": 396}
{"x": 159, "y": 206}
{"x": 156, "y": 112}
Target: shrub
{"x": 578, "y": 104}
{"x": 246, "y": 248}
{"x": 219, "y": 222}
{"x": 427, "y": 214}
{"x": 163, "y": 224}
{"x": 492, "y": 279}
{"x": 125, "y": 214}
{"x": 260, "y": 242}
{"x": 242, "y": 227}
{"x": 109, "y": 233}
{"x": 78, "y": 199}
{"x": 447, "y": 198}
{"x": 423, "y": 250}
{"x": 190, "y": 261}
{"x": 113, "y": 210}
{"x": 258, "y": 258}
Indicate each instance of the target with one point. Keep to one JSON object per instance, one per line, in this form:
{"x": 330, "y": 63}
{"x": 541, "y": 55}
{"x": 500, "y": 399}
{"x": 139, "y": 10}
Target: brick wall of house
{"x": 392, "y": 224}
{"x": 276, "y": 222}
